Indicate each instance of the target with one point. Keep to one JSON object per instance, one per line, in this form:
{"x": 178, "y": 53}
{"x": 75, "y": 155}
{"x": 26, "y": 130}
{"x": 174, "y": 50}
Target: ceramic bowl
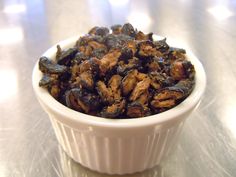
{"x": 117, "y": 146}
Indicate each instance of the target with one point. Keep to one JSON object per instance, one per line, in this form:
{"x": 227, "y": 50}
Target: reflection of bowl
{"x": 72, "y": 169}
{"x": 117, "y": 146}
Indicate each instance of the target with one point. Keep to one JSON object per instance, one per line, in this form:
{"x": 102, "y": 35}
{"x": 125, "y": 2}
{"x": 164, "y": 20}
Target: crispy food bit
{"x": 93, "y": 30}
{"x": 133, "y": 63}
{"x": 142, "y": 37}
{"x": 115, "y": 83}
{"x": 85, "y": 80}
{"x": 140, "y": 88}
{"x": 80, "y": 99}
{"x": 146, "y": 49}
{"x": 72, "y": 99}
{"x": 55, "y": 90}
{"x": 132, "y": 44}
{"x": 104, "y": 92}
{"x": 141, "y": 76}
{"x": 116, "y": 41}
{"x": 129, "y": 82}
{"x": 157, "y": 80}
{"x": 114, "y": 110}
{"x": 65, "y": 57}
{"x": 169, "y": 96}
{"x": 79, "y": 58}
{"x": 102, "y": 31}
{"x": 143, "y": 98}
{"x": 136, "y": 109}
{"x": 128, "y": 29}
{"x": 163, "y": 104}
{"x": 119, "y": 72}
{"x": 99, "y": 52}
{"x": 154, "y": 64}
{"x": 46, "y": 81}
{"x": 177, "y": 50}
{"x": 116, "y": 29}
{"x": 161, "y": 45}
{"x": 96, "y": 45}
{"x": 109, "y": 61}
{"x": 47, "y": 66}
{"x": 126, "y": 53}
{"x": 181, "y": 69}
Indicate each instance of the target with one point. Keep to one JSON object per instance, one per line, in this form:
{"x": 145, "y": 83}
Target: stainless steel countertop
{"x": 28, "y": 147}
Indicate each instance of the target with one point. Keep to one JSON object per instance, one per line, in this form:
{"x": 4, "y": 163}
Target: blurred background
{"x": 28, "y": 147}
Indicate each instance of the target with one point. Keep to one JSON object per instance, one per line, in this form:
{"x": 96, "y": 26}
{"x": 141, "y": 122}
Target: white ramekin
{"x": 117, "y": 146}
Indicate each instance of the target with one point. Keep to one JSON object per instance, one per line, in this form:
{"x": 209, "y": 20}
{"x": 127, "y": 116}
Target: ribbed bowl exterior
{"x": 116, "y": 153}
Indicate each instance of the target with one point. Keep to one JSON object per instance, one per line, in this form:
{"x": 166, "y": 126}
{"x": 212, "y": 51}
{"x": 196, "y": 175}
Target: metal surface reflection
{"x": 230, "y": 121}
{"x": 220, "y": 12}
{"x": 14, "y": 9}
{"x": 9, "y": 86}
{"x": 10, "y": 35}
{"x": 71, "y": 168}
{"x": 118, "y": 2}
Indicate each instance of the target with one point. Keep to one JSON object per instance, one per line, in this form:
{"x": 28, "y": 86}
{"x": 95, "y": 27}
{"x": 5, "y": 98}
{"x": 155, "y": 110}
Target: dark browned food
{"x": 115, "y": 110}
{"x": 118, "y": 73}
{"x": 136, "y": 109}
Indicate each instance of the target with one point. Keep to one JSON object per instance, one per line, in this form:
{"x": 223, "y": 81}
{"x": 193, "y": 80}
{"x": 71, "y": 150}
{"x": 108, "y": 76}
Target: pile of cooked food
{"x": 118, "y": 73}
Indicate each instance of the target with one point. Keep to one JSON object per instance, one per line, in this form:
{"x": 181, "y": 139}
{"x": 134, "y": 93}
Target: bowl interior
{"x": 174, "y": 113}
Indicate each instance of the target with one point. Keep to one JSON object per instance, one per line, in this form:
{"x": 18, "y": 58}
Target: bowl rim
{"x": 77, "y": 117}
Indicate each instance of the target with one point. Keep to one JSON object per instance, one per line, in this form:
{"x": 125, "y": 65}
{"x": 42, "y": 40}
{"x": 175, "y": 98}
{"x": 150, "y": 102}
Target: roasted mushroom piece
{"x": 179, "y": 50}
{"x": 47, "y": 66}
{"x": 86, "y": 80}
{"x": 126, "y": 53}
{"x": 101, "y": 31}
{"x": 128, "y": 29}
{"x": 170, "y": 96}
{"x": 115, "y": 84}
{"x": 116, "y": 41}
{"x": 93, "y": 30}
{"x": 99, "y": 53}
{"x": 116, "y": 29}
{"x": 47, "y": 81}
{"x": 92, "y": 65}
{"x": 55, "y": 90}
{"x": 104, "y": 92}
{"x": 64, "y": 57}
{"x": 154, "y": 64}
{"x": 132, "y": 44}
{"x": 144, "y": 98}
{"x": 79, "y": 58}
{"x": 96, "y": 45}
{"x": 109, "y": 61}
{"x": 71, "y": 99}
{"x": 181, "y": 69}
{"x": 157, "y": 80}
{"x": 133, "y": 63}
{"x": 80, "y": 99}
{"x": 147, "y": 49}
{"x": 161, "y": 45}
{"x": 141, "y": 36}
{"x": 140, "y": 88}
{"x": 114, "y": 110}
{"x": 129, "y": 82}
{"x": 136, "y": 109}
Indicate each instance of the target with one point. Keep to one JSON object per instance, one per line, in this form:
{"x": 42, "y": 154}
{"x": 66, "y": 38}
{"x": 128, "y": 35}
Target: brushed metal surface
{"x": 28, "y": 146}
